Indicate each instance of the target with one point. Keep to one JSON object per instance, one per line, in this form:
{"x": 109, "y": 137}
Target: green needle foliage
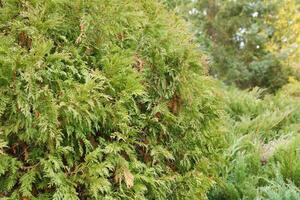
{"x": 263, "y": 158}
{"x": 103, "y": 99}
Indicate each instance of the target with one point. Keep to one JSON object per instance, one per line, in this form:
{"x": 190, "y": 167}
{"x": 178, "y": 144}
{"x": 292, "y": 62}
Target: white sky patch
{"x": 194, "y": 11}
{"x": 239, "y": 35}
{"x": 284, "y": 39}
{"x": 255, "y": 14}
{"x": 242, "y": 45}
{"x": 242, "y": 30}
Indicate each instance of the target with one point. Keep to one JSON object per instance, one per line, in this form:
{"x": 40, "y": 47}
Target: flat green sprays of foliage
{"x": 103, "y": 99}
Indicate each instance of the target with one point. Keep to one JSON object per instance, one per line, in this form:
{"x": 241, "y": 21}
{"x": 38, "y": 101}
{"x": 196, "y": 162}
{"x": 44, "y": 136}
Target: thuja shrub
{"x": 103, "y": 99}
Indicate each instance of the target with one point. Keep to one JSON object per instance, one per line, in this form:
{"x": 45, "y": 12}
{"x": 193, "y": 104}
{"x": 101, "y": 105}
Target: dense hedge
{"x": 103, "y": 99}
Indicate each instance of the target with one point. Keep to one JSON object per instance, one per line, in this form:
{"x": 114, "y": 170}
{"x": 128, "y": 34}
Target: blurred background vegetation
{"x": 247, "y": 43}
{"x": 253, "y": 48}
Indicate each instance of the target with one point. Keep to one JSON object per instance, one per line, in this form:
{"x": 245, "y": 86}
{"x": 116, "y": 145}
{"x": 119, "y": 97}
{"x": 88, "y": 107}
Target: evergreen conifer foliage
{"x": 103, "y": 99}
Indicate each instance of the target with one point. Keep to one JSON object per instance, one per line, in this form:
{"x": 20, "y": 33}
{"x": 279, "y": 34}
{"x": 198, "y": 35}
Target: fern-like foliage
{"x": 103, "y": 99}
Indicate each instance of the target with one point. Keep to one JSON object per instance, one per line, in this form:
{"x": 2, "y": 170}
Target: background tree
{"x": 286, "y": 39}
{"x": 235, "y": 35}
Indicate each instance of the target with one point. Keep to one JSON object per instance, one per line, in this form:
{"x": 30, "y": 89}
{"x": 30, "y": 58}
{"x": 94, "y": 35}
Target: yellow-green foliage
{"x": 286, "y": 39}
{"x": 103, "y": 99}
